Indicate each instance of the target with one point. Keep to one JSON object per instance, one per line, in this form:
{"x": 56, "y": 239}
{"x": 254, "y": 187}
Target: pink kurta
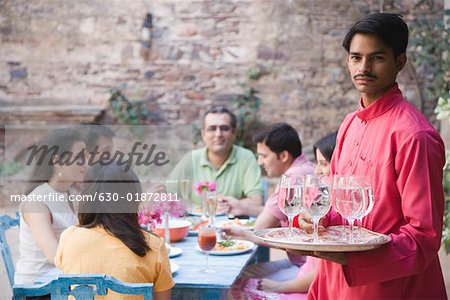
{"x": 394, "y": 143}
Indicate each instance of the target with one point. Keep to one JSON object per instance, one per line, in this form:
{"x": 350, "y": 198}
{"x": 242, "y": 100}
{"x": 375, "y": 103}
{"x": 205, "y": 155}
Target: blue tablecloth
{"x": 193, "y": 284}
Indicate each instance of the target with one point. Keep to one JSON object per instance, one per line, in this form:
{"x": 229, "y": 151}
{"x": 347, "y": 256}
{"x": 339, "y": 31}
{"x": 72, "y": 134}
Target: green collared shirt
{"x": 239, "y": 176}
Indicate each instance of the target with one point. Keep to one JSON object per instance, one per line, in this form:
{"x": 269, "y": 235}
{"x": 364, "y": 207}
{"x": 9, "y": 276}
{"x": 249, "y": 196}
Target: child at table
{"x": 109, "y": 239}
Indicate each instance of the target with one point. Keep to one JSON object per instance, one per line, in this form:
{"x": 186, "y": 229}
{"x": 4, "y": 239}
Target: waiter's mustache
{"x": 368, "y": 75}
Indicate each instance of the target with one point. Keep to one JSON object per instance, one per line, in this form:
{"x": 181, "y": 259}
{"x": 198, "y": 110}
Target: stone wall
{"x": 71, "y": 52}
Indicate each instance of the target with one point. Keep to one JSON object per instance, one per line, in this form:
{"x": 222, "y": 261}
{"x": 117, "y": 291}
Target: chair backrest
{"x": 7, "y": 222}
{"x": 83, "y": 287}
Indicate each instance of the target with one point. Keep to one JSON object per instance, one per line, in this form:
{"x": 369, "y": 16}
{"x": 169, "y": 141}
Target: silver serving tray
{"x": 330, "y": 240}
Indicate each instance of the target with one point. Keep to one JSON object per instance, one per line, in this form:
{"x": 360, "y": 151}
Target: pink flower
{"x": 202, "y": 186}
{"x": 174, "y": 208}
{"x": 146, "y": 216}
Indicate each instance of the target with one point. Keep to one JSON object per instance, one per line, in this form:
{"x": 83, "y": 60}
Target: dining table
{"x": 191, "y": 283}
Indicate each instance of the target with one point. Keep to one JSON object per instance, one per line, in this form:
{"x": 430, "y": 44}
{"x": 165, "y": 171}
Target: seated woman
{"x": 109, "y": 239}
{"x": 261, "y": 287}
{"x": 41, "y": 222}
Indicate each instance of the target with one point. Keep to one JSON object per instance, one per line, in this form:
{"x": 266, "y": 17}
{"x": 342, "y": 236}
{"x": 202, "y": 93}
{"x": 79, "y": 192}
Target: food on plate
{"x": 230, "y": 246}
{"x": 239, "y": 222}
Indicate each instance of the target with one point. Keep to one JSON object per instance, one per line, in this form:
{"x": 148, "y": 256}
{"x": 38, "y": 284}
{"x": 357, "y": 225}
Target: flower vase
{"x": 204, "y": 206}
{"x": 211, "y": 206}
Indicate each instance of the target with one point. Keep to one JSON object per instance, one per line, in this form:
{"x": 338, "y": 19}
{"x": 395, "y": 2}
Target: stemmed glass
{"x": 290, "y": 196}
{"x": 207, "y": 241}
{"x": 367, "y": 192}
{"x": 184, "y": 187}
{"x": 211, "y": 205}
{"x": 348, "y": 199}
{"x": 316, "y": 200}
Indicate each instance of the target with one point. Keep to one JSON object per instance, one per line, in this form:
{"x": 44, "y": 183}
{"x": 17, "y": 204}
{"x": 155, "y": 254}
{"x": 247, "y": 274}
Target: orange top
{"x": 94, "y": 250}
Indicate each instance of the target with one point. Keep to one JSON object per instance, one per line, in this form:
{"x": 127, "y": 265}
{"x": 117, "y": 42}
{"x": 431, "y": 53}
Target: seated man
{"x": 279, "y": 152}
{"x": 233, "y": 168}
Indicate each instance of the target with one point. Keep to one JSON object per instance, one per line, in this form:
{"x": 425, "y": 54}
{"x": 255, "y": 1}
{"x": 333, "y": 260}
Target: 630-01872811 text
{"x": 107, "y": 197}
{"x": 137, "y": 197}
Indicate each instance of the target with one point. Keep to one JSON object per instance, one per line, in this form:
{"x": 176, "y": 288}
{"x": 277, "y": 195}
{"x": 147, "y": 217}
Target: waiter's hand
{"x": 337, "y": 257}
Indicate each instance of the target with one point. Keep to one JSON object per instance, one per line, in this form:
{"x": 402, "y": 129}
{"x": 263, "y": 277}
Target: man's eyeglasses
{"x": 223, "y": 128}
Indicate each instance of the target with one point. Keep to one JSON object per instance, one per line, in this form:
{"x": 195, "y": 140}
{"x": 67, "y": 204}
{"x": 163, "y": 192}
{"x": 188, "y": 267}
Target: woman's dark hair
{"x": 390, "y": 28}
{"x": 221, "y": 110}
{"x": 58, "y": 142}
{"x": 120, "y": 217}
{"x": 280, "y": 137}
{"x": 91, "y": 132}
{"x": 326, "y": 146}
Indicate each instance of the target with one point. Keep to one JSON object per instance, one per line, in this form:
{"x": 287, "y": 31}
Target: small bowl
{"x": 178, "y": 229}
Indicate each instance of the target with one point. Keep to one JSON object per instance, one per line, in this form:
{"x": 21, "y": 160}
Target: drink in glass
{"x": 290, "y": 195}
{"x": 368, "y": 196}
{"x": 316, "y": 200}
{"x": 211, "y": 205}
{"x": 349, "y": 199}
{"x": 207, "y": 241}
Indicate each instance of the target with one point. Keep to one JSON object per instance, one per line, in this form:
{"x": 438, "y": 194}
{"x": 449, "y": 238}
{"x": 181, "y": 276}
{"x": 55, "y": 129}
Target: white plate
{"x": 329, "y": 241}
{"x": 175, "y": 251}
{"x": 249, "y": 246}
{"x": 198, "y": 214}
{"x": 173, "y": 266}
{"x": 242, "y": 223}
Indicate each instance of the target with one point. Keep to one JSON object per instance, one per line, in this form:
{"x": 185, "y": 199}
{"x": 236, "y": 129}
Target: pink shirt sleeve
{"x": 272, "y": 207}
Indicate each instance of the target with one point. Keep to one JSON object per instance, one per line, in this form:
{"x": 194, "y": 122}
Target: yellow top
{"x": 94, "y": 250}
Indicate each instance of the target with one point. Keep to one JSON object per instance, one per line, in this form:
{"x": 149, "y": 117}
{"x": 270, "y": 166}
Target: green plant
{"x": 442, "y": 109}
{"x": 246, "y": 106}
{"x": 443, "y": 113}
{"x": 7, "y": 169}
{"x": 430, "y": 55}
{"x": 429, "y": 52}
{"x": 127, "y": 112}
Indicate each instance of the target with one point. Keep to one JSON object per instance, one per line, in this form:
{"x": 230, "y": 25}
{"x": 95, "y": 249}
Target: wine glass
{"x": 367, "y": 191}
{"x": 184, "y": 188}
{"x": 349, "y": 199}
{"x": 290, "y": 197}
{"x": 207, "y": 241}
{"x": 316, "y": 200}
{"x": 211, "y": 205}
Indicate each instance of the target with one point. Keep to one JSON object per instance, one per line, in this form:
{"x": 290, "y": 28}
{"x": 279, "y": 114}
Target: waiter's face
{"x": 372, "y": 65}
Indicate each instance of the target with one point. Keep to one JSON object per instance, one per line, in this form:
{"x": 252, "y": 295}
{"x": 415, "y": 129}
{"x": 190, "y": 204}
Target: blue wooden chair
{"x": 7, "y": 222}
{"x": 83, "y": 287}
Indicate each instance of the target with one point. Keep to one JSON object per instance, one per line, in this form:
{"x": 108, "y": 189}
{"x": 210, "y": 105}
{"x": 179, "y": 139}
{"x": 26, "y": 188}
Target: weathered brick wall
{"x": 72, "y": 52}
